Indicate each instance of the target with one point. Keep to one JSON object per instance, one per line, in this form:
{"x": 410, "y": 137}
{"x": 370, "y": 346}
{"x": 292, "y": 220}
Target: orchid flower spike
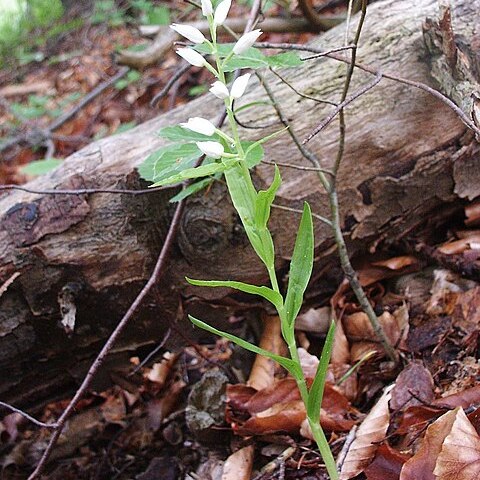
{"x": 207, "y": 8}
{"x": 192, "y": 57}
{"x": 191, "y": 33}
{"x": 200, "y": 125}
{"x": 211, "y": 149}
{"x": 221, "y": 12}
{"x": 239, "y": 86}
{"x": 246, "y": 41}
{"x": 220, "y": 90}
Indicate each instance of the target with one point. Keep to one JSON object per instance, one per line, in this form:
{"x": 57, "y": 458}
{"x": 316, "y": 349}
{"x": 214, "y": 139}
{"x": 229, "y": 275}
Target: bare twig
{"x": 85, "y": 191}
{"x": 296, "y": 210}
{"x": 27, "y": 416}
{"x": 42, "y": 136}
{"x": 174, "y": 78}
{"x": 341, "y": 106}
{"x": 352, "y": 434}
{"x": 297, "y": 167}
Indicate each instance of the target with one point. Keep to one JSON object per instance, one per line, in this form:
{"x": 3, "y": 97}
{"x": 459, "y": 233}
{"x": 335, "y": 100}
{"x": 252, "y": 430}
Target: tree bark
{"x": 407, "y": 158}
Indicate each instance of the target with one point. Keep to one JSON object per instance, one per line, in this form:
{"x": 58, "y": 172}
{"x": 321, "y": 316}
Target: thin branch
{"x": 322, "y": 219}
{"x": 302, "y": 48}
{"x": 421, "y": 86}
{"x": 297, "y": 167}
{"x": 85, "y": 191}
{"x": 152, "y": 353}
{"x": 173, "y": 79}
{"x": 300, "y": 94}
{"x": 28, "y": 417}
{"x": 341, "y": 106}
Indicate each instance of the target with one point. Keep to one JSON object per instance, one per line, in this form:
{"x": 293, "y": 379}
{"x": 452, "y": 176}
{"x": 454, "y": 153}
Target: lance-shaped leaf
{"x": 265, "y": 199}
{"x": 267, "y": 293}
{"x": 315, "y": 394}
{"x": 300, "y": 268}
{"x": 197, "y": 172}
{"x": 286, "y": 363}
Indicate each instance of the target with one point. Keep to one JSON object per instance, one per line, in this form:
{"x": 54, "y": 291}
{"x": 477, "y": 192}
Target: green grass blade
{"x": 286, "y": 363}
{"x": 315, "y": 394}
{"x": 300, "y": 267}
{"x": 197, "y": 172}
{"x": 267, "y": 293}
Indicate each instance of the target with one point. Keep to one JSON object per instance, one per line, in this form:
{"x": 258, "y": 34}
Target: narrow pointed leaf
{"x": 197, "y": 172}
{"x": 286, "y": 363}
{"x": 265, "y": 199}
{"x": 315, "y": 394}
{"x": 271, "y": 295}
{"x": 191, "y": 189}
{"x": 300, "y": 267}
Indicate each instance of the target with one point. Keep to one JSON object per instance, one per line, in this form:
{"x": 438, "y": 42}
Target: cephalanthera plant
{"x": 226, "y": 154}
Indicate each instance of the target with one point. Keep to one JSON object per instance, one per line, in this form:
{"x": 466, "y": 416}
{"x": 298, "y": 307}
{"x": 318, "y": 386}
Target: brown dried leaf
{"x": 316, "y": 320}
{"x": 387, "y": 464}
{"x": 238, "y": 466}
{"x": 341, "y": 348}
{"x": 263, "y": 370}
{"x": 472, "y": 212}
{"x": 414, "y": 386}
{"x": 422, "y": 464}
{"x": 459, "y": 458}
{"x": 372, "y": 430}
{"x": 463, "y": 399}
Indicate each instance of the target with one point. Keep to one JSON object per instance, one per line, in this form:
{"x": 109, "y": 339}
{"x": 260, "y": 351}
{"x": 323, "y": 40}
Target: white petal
{"x": 246, "y": 41}
{"x": 200, "y": 125}
{"x": 192, "y": 57}
{"x": 239, "y": 86}
{"x": 191, "y": 33}
{"x": 220, "y": 90}
{"x": 221, "y": 12}
{"x": 211, "y": 149}
{"x": 207, "y": 8}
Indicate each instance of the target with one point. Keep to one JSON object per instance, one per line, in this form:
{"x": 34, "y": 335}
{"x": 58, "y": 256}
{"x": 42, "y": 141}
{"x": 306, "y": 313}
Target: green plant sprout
{"x": 226, "y": 154}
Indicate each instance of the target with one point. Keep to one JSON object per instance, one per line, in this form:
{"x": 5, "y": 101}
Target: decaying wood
{"x": 407, "y": 158}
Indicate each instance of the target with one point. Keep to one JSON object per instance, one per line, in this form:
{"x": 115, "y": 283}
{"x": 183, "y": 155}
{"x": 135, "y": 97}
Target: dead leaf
{"x": 463, "y": 399}
{"x": 263, "y": 370}
{"x": 372, "y": 430}
{"x": 387, "y": 464}
{"x": 472, "y": 212}
{"x": 238, "y": 466}
{"x": 459, "y": 458}
{"x": 414, "y": 386}
{"x": 422, "y": 464}
{"x": 315, "y": 320}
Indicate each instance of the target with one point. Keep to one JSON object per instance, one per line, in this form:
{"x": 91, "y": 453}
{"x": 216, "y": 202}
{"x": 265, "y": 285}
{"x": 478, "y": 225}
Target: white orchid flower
{"x": 191, "y": 33}
{"x": 220, "y": 90}
{"x": 200, "y": 125}
{"x": 246, "y": 41}
{"x": 211, "y": 149}
{"x": 221, "y": 12}
{"x": 192, "y": 57}
{"x": 239, "y": 86}
{"x": 207, "y": 8}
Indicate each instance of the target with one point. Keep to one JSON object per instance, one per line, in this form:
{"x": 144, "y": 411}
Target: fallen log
{"x": 83, "y": 258}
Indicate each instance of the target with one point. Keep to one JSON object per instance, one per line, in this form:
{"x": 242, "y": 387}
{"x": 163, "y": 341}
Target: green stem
{"x": 324, "y": 447}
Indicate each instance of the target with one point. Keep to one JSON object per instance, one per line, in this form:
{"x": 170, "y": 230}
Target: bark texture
{"x": 407, "y": 157}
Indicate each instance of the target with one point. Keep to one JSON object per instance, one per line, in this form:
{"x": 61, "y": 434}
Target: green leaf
{"x": 267, "y": 293}
{"x": 159, "y": 15}
{"x": 191, "y": 189}
{"x": 265, "y": 199}
{"x": 39, "y": 167}
{"x": 168, "y": 161}
{"x": 197, "y": 172}
{"x": 252, "y": 58}
{"x": 286, "y": 363}
{"x": 315, "y": 394}
{"x": 300, "y": 267}
{"x": 178, "y": 133}
{"x": 253, "y": 153}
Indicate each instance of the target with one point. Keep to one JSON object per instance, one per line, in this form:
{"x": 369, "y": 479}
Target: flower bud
{"x": 192, "y": 57}
{"x": 220, "y": 90}
{"x": 191, "y": 33}
{"x": 211, "y": 149}
{"x": 246, "y": 41}
{"x": 221, "y": 12}
{"x": 207, "y": 8}
{"x": 200, "y": 125}
{"x": 239, "y": 86}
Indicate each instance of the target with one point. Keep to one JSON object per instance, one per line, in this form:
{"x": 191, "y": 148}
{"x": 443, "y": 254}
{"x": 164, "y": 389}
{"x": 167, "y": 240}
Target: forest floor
{"x": 208, "y": 411}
